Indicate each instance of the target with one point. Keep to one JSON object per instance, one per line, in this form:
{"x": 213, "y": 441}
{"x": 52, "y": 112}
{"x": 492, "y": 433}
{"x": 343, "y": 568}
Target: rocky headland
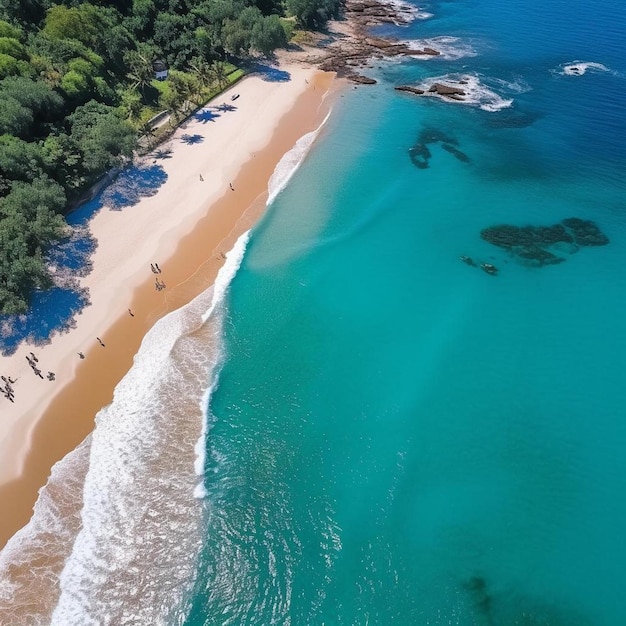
{"x": 349, "y": 47}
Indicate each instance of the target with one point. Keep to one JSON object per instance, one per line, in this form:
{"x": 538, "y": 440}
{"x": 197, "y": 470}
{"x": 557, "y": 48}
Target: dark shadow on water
{"x": 55, "y": 310}
{"x": 511, "y": 118}
{"x": 206, "y": 115}
{"x": 269, "y": 73}
{"x": 191, "y": 140}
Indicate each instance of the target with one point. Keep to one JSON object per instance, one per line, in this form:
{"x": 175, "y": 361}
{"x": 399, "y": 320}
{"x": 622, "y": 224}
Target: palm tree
{"x": 141, "y": 72}
{"x": 131, "y": 102}
{"x": 220, "y": 75}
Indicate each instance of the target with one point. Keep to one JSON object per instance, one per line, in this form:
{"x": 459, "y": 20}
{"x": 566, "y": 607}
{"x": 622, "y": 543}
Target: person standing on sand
{"x": 158, "y": 269}
{"x": 100, "y": 341}
{"x": 231, "y": 186}
{"x": 81, "y": 355}
{"x": 201, "y": 177}
{"x": 131, "y": 313}
{"x": 34, "y": 358}
{"x": 153, "y": 269}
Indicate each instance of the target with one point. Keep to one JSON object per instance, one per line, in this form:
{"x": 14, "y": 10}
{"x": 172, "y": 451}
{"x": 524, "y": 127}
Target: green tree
{"x": 20, "y": 160}
{"x": 313, "y": 13}
{"x": 141, "y": 73}
{"x": 29, "y": 223}
{"x": 103, "y": 137}
{"x": 15, "y": 119}
{"x": 268, "y": 34}
{"x": 12, "y": 47}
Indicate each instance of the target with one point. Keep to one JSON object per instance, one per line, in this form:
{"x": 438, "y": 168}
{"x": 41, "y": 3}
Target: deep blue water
{"x": 399, "y": 437}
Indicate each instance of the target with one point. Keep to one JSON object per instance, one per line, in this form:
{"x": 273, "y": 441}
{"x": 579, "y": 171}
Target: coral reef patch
{"x": 420, "y": 153}
{"x": 536, "y": 246}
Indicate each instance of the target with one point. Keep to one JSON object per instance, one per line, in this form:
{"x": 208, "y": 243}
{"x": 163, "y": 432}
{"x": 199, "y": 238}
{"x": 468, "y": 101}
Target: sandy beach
{"x": 186, "y": 227}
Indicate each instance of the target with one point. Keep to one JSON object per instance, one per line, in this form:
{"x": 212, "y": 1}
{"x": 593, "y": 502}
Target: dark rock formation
{"x": 420, "y": 153}
{"x": 535, "y": 245}
{"x": 446, "y": 90}
{"x": 340, "y": 52}
{"x": 461, "y": 156}
{"x": 506, "y": 236}
{"x": 585, "y": 232}
{"x": 410, "y": 89}
{"x": 361, "y": 80}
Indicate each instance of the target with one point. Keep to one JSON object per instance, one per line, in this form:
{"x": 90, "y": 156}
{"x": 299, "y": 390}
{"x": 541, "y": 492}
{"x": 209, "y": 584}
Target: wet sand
{"x": 59, "y": 420}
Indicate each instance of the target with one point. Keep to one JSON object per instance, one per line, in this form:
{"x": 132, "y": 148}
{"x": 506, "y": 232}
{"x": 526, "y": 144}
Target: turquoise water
{"x": 398, "y": 437}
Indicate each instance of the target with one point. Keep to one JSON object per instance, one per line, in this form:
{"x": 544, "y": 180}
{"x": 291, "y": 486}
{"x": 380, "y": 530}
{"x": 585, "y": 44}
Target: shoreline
{"x": 189, "y": 251}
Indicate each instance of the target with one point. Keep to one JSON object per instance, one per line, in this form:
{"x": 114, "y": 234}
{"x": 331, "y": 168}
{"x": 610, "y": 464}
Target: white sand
{"x": 130, "y": 239}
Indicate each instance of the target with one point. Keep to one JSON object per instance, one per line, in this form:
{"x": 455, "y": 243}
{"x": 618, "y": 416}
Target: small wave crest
{"x": 290, "y": 163}
{"x": 32, "y": 560}
{"x": 134, "y": 558}
{"x": 449, "y": 48}
{"x": 222, "y": 282}
{"x": 579, "y": 68}
{"x": 475, "y": 91}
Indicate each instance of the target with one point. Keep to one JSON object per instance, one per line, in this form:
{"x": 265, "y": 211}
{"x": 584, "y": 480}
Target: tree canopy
{"x": 77, "y": 85}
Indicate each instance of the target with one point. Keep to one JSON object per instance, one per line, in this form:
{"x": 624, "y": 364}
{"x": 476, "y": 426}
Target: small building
{"x": 160, "y": 69}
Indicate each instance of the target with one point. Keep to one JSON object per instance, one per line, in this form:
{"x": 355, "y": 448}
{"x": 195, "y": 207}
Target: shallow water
{"x": 399, "y": 437}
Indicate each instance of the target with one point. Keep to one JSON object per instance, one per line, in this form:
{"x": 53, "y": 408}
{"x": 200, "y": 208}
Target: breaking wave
{"x": 579, "y": 68}
{"x": 476, "y": 93}
{"x": 449, "y": 48}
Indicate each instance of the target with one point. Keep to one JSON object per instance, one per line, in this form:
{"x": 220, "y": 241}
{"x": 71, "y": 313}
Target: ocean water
{"x": 372, "y": 431}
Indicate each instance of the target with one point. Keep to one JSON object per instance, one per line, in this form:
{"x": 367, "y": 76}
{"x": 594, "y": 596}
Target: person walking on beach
{"x": 37, "y": 372}
{"x": 201, "y": 177}
{"x": 100, "y": 341}
{"x": 34, "y": 358}
{"x": 81, "y": 355}
{"x": 231, "y": 186}
{"x": 158, "y": 269}
{"x": 153, "y": 268}
{"x": 131, "y": 313}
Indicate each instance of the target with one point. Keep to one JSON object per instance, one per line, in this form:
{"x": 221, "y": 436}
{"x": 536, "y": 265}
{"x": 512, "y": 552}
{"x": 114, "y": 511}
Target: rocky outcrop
{"x": 447, "y": 90}
{"x": 410, "y": 89}
{"x": 357, "y": 47}
{"x": 361, "y": 80}
{"x": 420, "y": 154}
{"x": 536, "y": 245}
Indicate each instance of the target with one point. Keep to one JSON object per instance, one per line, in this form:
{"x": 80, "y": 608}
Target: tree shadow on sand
{"x": 132, "y": 185}
{"x": 269, "y": 73}
{"x": 225, "y": 107}
{"x": 191, "y": 140}
{"x": 55, "y": 309}
{"x": 206, "y": 115}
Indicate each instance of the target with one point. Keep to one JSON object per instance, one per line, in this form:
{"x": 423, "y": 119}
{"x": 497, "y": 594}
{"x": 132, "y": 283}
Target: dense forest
{"x": 77, "y": 87}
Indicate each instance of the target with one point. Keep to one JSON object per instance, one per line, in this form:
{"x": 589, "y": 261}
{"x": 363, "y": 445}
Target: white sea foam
{"x": 578, "y": 68}
{"x": 224, "y": 277}
{"x": 290, "y": 163}
{"x": 407, "y": 12}
{"x": 449, "y": 48}
{"x": 476, "y": 92}
{"x": 33, "y": 558}
{"x": 133, "y": 560}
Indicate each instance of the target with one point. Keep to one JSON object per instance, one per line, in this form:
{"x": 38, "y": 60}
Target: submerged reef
{"x": 535, "y": 246}
{"x": 420, "y": 153}
{"x": 497, "y": 605}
